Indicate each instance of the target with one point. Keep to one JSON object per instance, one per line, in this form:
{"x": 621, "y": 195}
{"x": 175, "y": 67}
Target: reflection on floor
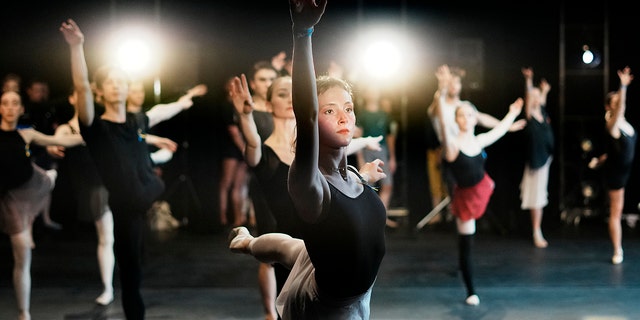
{"x": 192, "y": 275}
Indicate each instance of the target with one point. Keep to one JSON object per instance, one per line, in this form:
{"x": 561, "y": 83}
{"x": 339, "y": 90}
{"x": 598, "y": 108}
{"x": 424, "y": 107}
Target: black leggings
{"x": 128, "y": 228}
{"x": 465, "y": 242}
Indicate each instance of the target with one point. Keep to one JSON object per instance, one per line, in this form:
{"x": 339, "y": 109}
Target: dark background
{"x": 208, "y": 42}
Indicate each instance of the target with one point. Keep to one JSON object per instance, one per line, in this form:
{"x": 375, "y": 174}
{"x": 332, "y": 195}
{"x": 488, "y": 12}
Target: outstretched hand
{"x": 373, "y": 143}
{"x": 240, "y": 95}
{"x": 197, "y": 91}
{"x": 71, "y": 32}
{"x": 625, "y": 76}
{"x": 306, "y": 13}
{"x": 372, "y": 171}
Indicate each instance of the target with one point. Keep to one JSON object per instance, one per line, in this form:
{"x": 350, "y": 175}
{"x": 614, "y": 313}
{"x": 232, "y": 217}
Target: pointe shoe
{"x": 540, "y": 242}
{"x": 105, "y": 298}
{"x": 239, "y": 239}
{"x": 472, "y": 300}
{"x": 617, "y": 258}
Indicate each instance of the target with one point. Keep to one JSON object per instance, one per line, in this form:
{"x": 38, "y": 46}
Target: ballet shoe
{"x": 472, "y": 300}
{"x": 540, "y": 242}
{"x": 239, "y": 239}
{"x": 105, "y": 298}
{"x": 618, "y": 257}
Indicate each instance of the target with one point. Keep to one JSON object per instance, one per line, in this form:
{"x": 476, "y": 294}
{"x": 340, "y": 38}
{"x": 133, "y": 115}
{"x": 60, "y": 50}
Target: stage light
{"x": 381, "y": 53}
{"x": 382, "y": 59}
{"x": 138, "y": 51}
{"x": 590, "y": 57}
{"x": 133, "y": 55}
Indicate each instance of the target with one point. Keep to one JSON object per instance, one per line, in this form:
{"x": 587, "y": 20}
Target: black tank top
{"x": 468, "y": 171}
{"x": 15, "y": 161}
{"x": 347, "y": 246}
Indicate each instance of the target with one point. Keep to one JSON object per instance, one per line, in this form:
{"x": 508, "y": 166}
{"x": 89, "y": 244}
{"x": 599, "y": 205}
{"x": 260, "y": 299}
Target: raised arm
{"x": 306, "y": 183}
{"x": 79, "y": 72}
{"x": 527, "y": 73}
{"x": 618, "y": 107}
{"x": 488, "y": 138}
{"x": 166, "y": 111}
{"x": 243, "y": 103}
{"x": 443, "y": 74}
{"x": 449, "y": 149}
{"x": 545, "y": 87}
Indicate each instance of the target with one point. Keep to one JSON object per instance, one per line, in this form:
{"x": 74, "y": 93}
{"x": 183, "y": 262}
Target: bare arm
{"x": 57, "y": 151}
{"x": 162, "y": 112}
{"x": 357, "y": 144}
{"x": 79, "y": 72}
{"x": 618, "y": 109}
{"x": 449, "y": 148}
{"x": 32, "y": 136}
{"x": 488, "y": 138}
{"x": 243, "y": 103}
{"x": 270, "y": 248}
{"x": 161, "y": 142}
{"x": 307, "y": 186}
{"x": 528, "y": 86}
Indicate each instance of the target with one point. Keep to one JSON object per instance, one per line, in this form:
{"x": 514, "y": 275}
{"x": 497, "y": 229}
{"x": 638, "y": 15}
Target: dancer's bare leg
{"x": 268, "y": 290}
{"x": 229, "y": 167}
{"x": 21, "y": 245}
{"x": 268, "y": 248}
{"x": 106, "y": 258}
{"x": 616, "y": 204}
{"x": 239, "y": 194}
{"x": 536, "y": 223}
{"x": 46, "y": 212}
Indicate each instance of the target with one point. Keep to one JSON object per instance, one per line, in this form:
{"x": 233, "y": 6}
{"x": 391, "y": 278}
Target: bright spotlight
{"x": 133, "y": 56}
{"x": 590, "y": 57}
{"x": 382, "y": 59}
{"x": 137, "y": 51}
{"x": 587, "y": 56}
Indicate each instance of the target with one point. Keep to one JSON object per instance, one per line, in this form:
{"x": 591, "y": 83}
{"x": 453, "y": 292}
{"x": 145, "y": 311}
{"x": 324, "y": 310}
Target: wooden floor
{"x": 192, "y": 275}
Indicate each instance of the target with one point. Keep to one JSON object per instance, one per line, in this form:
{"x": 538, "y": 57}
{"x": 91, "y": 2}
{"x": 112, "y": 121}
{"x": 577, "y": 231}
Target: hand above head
{"x": 443, "y": 74}
{"x": 544, "y": 85}
{"x": 527, "y": 72}
{"x": 306, "y": 13}
{"x": 625, "y": 76}
{"x": 241, "y": 96}
{"x": 279, "y": 60}
{"x": 72, "y": 33}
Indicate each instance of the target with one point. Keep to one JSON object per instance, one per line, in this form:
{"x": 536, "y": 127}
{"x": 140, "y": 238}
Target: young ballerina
{"x": 465, "y": 155}
{"x": 540, "y": 144}
{"x": 617, "y": 161}
{"x": 23, "y": 190}
{"x": 335, "y": 263}
{"x": 270, "y": 162}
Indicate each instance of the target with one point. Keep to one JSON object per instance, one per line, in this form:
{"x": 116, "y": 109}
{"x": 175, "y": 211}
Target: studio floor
{"x": 192, "y": 275}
